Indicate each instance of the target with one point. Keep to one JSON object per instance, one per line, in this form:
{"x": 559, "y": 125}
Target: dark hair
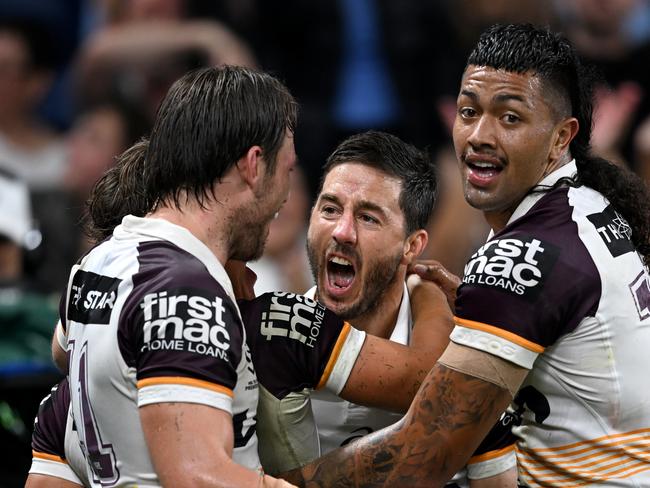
{"x": 38, "y": 40}
{"x": 119, "y": 192}
{"x": 208, "y": 120}
{"x": 134, "y": 122}
{"x": 521, "y": 48}
{"x": 385, "y": 152}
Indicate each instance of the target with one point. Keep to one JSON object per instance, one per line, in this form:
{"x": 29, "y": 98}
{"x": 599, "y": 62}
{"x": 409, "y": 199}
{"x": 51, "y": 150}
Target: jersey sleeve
{"x": 530, "y": 284}
{"x": 48, "y": 438}
{"x": 181, "y": 332}
{"x": 297, "y": 343}
{"x": 496, "y": 454}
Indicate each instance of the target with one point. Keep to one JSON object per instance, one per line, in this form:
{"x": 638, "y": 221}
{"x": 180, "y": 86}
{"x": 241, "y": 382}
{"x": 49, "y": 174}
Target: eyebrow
{"x": 498, "y": 98}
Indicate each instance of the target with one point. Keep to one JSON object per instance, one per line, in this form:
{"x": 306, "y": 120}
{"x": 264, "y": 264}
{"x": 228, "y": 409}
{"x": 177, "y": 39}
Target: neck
{"x": 202, "y": 224}
{"x": 379, "y": 320}
{"x": 499, "y": 219}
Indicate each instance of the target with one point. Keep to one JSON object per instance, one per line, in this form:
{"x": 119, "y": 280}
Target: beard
{"x": 380, "y": 274}
{"x": 248, "y": 235}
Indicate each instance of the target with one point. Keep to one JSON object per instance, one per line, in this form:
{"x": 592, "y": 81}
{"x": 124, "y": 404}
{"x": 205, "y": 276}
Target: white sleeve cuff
{"x": 491, "y": 463}
{"x": 169, "y": 393}
{"x": 58, "y": 469}
{"x": 347, "y": 356}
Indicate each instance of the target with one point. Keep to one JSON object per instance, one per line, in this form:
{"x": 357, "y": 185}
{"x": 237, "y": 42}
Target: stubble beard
{"x": 381, "y": 275}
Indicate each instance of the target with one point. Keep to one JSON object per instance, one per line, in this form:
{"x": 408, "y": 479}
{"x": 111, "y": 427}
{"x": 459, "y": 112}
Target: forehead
{"x": 356, "y": 182}
{"x": 489, "y": 84}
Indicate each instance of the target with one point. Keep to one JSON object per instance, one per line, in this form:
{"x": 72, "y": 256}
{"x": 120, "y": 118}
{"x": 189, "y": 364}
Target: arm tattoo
{"x": 448, "y": 419}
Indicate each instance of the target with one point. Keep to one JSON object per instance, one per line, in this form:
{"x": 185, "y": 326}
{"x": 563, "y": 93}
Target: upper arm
{"x": 46, "y": 481}
{"x": 192, "y": 444}
{"x": 59, "y": 354}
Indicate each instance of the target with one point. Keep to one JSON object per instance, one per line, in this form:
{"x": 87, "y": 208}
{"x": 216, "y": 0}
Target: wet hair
{"x": 569, "y": 85}
{"x": 119, "y": 192}
{"x": 414, "y": 168}
{"x": 207, "y": 121}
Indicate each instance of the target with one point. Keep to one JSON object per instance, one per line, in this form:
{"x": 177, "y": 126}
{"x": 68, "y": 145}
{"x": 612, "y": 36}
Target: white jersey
{"x": 151, "y": 318}
{"x": 562, "y": 291}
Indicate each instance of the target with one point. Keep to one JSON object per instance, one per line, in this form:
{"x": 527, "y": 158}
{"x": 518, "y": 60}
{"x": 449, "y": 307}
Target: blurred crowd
{"x": 80, "y": 81}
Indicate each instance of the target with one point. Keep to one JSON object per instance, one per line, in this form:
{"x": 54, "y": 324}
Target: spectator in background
{"x": 26, "y": 321}
{"x": 28, "y": 148}
{"x": 606, "y": 35}
{"x": 284, "y": 265}
{"x": 145, "y": 45}
{"x": 101, "y": 131}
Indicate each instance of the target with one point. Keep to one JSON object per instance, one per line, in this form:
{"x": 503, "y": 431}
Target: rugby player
{"x": 293, "y": 341}
{"x": 367, "y": 226}
{"x": 553, "y": 313}
{"x": 162, "y": 388}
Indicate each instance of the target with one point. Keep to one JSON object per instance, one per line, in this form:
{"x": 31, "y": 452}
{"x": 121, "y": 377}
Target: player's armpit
{"x": 191, "y": 445}
{"x": 450, "y": 415}
{"x": 45, "y": 481}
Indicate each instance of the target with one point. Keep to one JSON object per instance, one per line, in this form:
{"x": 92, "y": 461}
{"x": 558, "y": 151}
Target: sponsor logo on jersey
{"x": 92, "y": 298}
{"x": 293, "y": 316}
{"x": 517, "y": 265}
{"x": 640, "y": 289}
{"x": 614, "y": 230}
{"x": 182, "y": 320}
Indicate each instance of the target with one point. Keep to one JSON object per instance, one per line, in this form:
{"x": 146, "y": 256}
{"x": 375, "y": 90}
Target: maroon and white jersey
{"x": 562, "y": 291}
{"x": 55, "y": 446}
{"x": 297, "y": 345}
{"x": 151, "y": 318}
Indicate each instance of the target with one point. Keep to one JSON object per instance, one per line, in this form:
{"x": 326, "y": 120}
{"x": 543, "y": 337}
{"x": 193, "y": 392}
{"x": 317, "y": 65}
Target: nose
{"x": 345, "y": 231}
{"x": 482, "y": 133}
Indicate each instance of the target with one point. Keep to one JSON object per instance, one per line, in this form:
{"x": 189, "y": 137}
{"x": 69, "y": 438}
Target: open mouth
{"x": 482, "y": 173}
{"x": 340, "y": 275}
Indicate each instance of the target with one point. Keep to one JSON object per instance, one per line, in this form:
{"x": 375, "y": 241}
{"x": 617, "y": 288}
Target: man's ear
{"x": 414, "y": 245}
{"x": 565, "y": 131}
{"x": 251, "y": 167}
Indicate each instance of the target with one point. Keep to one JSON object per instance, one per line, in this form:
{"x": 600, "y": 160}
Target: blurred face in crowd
{"x": 506, "y": 139}
{"x": 20, "y": 86}
{"x": 250, "y": 231}
{"x": 357, "y": 239}
{"x": 94, "y": 142}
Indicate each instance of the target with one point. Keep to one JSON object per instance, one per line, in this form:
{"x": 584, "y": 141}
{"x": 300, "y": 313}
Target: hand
{"x": 432, "y": 270}
{"x": 243, "y": 279}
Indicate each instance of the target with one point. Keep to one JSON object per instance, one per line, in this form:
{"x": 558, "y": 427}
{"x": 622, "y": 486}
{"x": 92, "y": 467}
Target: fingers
{"x": 431, "y": 270}
{"x": 434, "y": 271}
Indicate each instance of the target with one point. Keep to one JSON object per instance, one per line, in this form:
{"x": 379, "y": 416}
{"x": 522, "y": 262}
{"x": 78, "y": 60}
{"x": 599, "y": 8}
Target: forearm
{"x": 449, "y": 417}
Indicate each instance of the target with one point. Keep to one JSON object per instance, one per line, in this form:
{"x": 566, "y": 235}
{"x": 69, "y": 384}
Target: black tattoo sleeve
{"x": 449, "y": 417}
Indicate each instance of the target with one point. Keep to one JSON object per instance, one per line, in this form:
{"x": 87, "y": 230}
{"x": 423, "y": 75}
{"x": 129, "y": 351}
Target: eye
{"x": 368, "y": 219}
{"x": 466, "y": 112}
{"x": 511, "y": 118}
{"x": 328, "y": 210}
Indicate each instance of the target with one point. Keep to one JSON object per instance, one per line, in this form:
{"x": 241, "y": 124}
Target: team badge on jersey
{"x": 517, "y": 265}
{"x": 614, "y": 230}
{"x": 92, "y": 298}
